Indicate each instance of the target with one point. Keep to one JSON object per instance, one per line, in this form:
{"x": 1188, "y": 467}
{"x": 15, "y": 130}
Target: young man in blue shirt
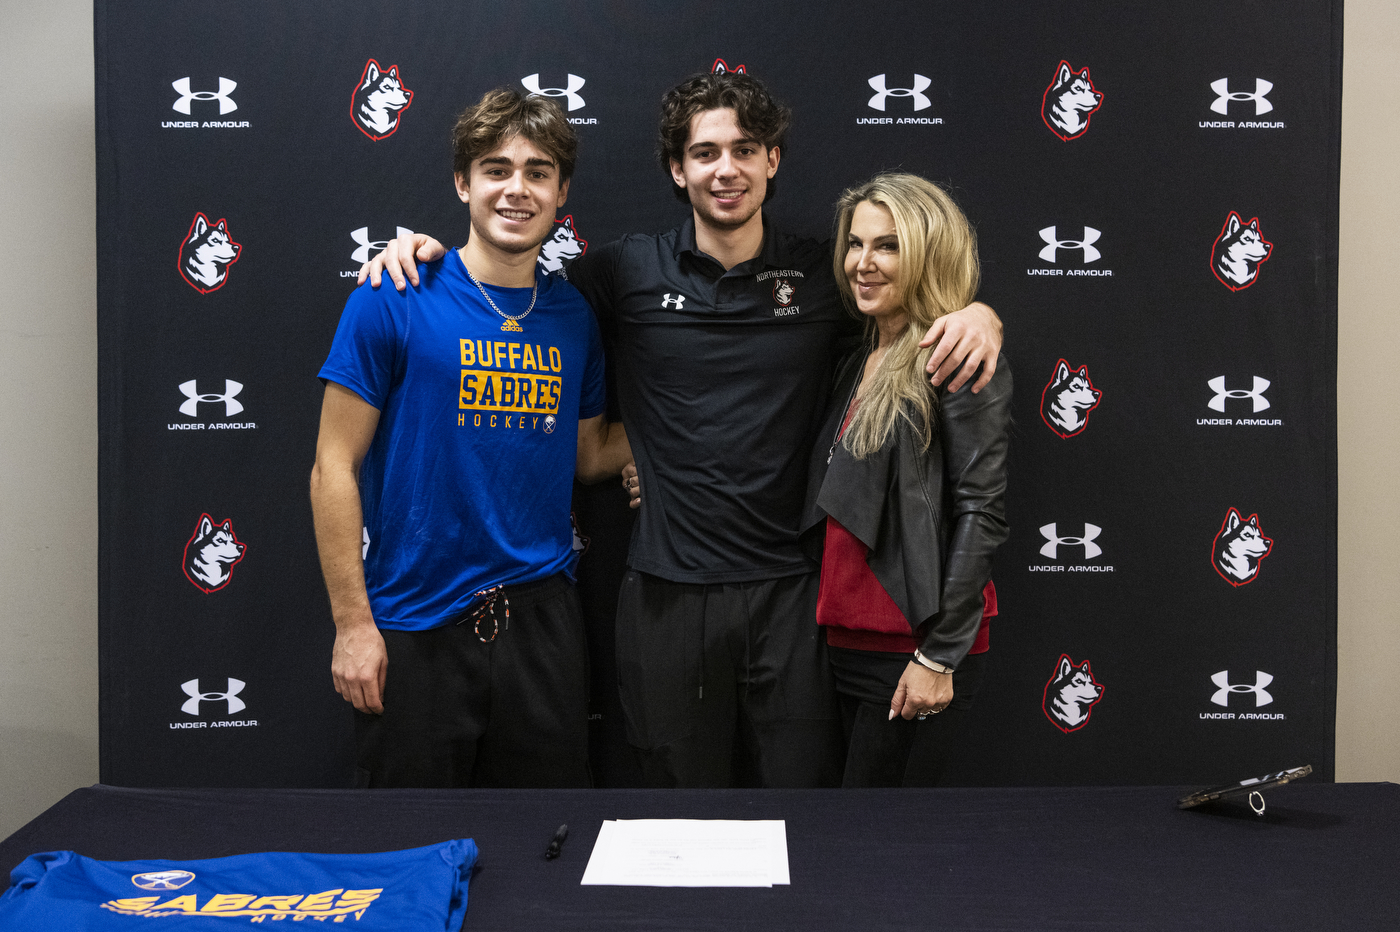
{"x": 455, "y": 416}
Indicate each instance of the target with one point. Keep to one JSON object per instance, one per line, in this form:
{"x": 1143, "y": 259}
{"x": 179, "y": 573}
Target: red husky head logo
{"x": 1238, "y": 252}
{"x": 377, "y": 100}
{"x": 1238, "y": 547}
{"x": 720, "y": 67}
{"x": 1070, "y": 695}
{"x": 211, "y": 553}
{"x": 564, "y": 246}
{"x": 1069, "y": 101}
{"x": 1067, "y": 399}
{"x": 206, "y": 254}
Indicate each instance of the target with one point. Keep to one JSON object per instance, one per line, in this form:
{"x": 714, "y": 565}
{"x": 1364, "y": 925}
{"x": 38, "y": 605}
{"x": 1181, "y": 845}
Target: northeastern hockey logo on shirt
{"x": 784, "y": 290}
{"x": 509, "y": 385}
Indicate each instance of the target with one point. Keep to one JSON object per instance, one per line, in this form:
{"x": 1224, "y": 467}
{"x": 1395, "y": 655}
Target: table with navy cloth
{"x": 1323, "y": 856}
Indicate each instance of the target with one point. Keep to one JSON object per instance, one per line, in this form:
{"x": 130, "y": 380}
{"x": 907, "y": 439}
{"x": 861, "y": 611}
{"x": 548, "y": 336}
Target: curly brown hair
{"x": 503, "y": 114}
{"x": 760, "y": 115}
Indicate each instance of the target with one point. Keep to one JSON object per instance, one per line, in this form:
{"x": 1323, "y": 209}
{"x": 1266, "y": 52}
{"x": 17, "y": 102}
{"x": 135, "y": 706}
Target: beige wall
{"x": 48, "y": 407}
{"x": 1368, "y": 411}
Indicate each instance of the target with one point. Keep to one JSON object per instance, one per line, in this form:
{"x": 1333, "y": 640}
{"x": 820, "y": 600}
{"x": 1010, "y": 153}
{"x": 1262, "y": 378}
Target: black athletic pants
{"x": 898, "y": 752}
{"x": 727, "y": 683}
{"x": 459, "y": 712}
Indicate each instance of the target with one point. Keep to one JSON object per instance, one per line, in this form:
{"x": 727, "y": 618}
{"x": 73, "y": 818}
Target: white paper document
{"x": 689, "y": 853}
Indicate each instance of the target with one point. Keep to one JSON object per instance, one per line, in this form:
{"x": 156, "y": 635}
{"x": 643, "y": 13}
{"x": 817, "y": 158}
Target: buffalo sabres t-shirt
{"x": 416, "y": 890}
{"x": 468, "y": 480}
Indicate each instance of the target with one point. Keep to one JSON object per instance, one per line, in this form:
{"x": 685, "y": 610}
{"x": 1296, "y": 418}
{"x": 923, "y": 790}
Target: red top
{"x": 856, "y": 610}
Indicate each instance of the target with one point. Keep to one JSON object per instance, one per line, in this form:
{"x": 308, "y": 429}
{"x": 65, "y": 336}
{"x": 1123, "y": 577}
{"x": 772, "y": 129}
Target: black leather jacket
{"x": 931, "y": 517}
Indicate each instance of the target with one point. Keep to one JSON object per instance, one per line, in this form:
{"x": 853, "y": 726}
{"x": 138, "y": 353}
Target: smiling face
{"x": 513, "y": 192}
{"x": 872, "y": 261}
{"x": 724, "y": 171}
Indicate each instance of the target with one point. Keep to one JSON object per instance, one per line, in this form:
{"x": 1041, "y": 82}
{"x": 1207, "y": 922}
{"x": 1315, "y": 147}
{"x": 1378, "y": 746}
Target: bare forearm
{"x": 335, "y": 505}
{"x": 602, "y": 452}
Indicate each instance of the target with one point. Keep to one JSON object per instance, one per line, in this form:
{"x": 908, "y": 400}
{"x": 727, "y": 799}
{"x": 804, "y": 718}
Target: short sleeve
{"x": 366, "y": 349}
{"x": 593, "y": 395}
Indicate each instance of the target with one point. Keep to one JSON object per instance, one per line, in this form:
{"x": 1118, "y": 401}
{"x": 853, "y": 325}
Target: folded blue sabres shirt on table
{"x": 417, "y": 889}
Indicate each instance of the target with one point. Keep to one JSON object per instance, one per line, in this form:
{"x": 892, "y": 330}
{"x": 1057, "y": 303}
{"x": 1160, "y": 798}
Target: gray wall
{"x": 48, "y": 407}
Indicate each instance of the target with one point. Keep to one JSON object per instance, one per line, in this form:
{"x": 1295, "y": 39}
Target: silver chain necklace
{"x": 512, "y": 324}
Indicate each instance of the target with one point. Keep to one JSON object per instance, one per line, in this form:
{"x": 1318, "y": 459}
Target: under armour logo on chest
{"x": 678, "y": 302}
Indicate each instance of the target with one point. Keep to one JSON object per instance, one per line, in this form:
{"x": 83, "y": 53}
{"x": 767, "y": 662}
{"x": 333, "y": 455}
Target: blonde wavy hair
{"x": 938, "y": 274}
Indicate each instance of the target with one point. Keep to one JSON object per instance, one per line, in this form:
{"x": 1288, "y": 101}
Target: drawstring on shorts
{"x": 486, "y": 607}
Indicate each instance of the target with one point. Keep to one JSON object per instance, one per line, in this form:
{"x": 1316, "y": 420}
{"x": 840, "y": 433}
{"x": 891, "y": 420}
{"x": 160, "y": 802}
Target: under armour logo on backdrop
{"x": 367, "y": 245}
{"x": 1222, "y": 101}
{"x": 921, "y": 84}
{"x": 1261, "y": 695}
{"x": 191, "y": 688}
{"x": 226, "y": 103}
{"x": 232, "y": 405}
{"x": 1256, "y": 395}
{"x": 1091, "y": 236}
{"x": 1091, "y": 534}
{"x": 677, "y": 302}
{"x": 570, "y": 93}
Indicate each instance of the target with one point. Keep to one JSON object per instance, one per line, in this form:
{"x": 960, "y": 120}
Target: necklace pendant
{"x": 511, "y": 326}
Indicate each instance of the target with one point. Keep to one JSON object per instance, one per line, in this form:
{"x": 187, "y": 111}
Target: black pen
{"x": 557, "y": 843}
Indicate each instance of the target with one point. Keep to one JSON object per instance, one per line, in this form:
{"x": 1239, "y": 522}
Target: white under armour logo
{"x": 1217, "y": 385}
{"x": 226, "y": 103}
{"x": 1261, "y": 695}
{"x": 532, "y": 84}
{"x": 677, "y": 302}
{"x": 231, "y": 404}
{"x": 368, "y": 245}
{"x": 191, "y": 688}
{"x": 1091, "y": 236}
{"x": 921, "y": 84}
{"x": 1091, "y": 534}
{"x": 1222, "y": 102}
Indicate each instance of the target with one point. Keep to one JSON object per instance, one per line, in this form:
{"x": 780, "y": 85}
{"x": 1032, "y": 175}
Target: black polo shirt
{"x": 722, "y": 379}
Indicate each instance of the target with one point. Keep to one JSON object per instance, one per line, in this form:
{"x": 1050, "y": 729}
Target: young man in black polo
{"x": 723, "y": 333}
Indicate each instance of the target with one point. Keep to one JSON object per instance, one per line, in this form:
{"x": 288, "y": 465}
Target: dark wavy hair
{"x": 760, "y": 115}
{"x": 503, "y": 114}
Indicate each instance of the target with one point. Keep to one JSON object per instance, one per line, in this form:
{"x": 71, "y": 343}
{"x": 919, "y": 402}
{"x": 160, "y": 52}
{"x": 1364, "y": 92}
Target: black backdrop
{"x": 216, "y": 672}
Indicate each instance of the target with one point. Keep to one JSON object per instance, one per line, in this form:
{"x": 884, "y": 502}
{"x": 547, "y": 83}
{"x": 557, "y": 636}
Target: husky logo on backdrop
{"x": 190, "y": 389}
{"x": 720, "y": 67}
{"x": 1067, "y": 399}
{"x": 191, "y": 689}
{"x": 570, "y": 92}
{"x": 1255, "y": 395}
{"x": 206, "y": 254}
{"x": 211, "y": 553}
{"x": 377, "y": 100}
{"x": 226, "y": 103}
{"x": 1238, "y": 547}
{"x": 1070, "y": 695}
{"x": 1069, "y": 102}
{"x": 163, "y": 880}
{"x": 564, "y": 246}
{"x": 882, "y": 93}
{"x": 1238, "y": 252}
{"x": 1222, "y": 694}
{"x": 367, "y": 247}
{"x": 1224, "y": 96}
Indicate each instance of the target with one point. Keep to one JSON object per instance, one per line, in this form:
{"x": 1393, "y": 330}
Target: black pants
{"x": 727, "y": 683}
{"x": 460, "y": 713}
{"x": 898, "y": 752}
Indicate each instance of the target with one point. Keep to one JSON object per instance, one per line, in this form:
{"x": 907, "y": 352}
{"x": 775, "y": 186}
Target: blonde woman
{"x": 907, "y": 487}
